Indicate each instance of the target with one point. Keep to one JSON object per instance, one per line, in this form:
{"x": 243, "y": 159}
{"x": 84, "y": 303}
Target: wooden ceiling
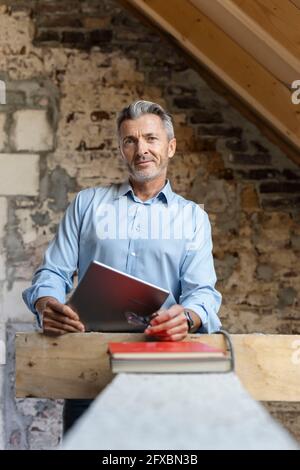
{"x": 252, "y": 46}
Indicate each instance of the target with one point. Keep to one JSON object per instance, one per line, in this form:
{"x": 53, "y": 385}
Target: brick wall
{"x": 69, "y": 67}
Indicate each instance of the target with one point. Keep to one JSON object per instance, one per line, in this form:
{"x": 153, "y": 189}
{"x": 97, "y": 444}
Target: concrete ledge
{"x": 199, "y": 411}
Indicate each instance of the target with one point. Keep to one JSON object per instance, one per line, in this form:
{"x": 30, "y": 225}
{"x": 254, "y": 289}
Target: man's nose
{"x": 142, "y": 148}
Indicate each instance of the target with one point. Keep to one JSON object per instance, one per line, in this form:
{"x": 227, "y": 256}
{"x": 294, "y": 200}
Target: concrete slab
{"x": 168, "y": 411}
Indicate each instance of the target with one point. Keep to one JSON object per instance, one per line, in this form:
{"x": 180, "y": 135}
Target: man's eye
{"x": 128, "y": 141}
{"x": 151, "y": 138}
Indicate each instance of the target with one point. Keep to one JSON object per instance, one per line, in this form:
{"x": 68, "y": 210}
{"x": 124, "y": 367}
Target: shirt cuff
{"x": 201, "y": 313}
{"x": 30, "y": 296}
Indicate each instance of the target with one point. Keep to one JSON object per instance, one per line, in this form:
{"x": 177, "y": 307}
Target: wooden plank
{"x": 228, "y": 61}
{"x": 279, "y": 18}
{"x": 70, "y": 366}
{"x": 257, "y": 34}
{"x": 77, "y": 365}
{"x": 296, "y": 3}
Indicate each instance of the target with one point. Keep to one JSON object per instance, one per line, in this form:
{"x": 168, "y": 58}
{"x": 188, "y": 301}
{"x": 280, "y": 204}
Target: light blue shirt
{"x": 165, "y": 240}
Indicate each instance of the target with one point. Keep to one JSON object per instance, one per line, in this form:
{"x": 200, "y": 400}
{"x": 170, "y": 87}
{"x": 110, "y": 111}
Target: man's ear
{"x": 172, "y": 147}
{"x": 120, "y": 150}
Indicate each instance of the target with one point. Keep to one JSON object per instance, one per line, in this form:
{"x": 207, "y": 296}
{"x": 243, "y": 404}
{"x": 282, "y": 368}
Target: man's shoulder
{"x": 193, "y": 210}
{"x": 177, "y": 198}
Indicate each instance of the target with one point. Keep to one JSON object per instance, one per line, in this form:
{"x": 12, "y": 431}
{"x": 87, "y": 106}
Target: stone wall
{"x": 69, "y": 67}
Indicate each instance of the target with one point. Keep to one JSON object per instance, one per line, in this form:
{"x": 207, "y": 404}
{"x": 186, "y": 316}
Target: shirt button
{"x": 133, "y": 253}
{"x": 138, "y": 228}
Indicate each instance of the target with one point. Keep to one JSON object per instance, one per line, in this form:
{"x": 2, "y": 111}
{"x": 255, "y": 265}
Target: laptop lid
{"x": 110, "y": 300}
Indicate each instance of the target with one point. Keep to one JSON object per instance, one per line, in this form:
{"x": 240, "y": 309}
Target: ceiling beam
{"x": 256, "y": 31}
{"x": 279, "y": 18}
{"x": 296, "y": 3}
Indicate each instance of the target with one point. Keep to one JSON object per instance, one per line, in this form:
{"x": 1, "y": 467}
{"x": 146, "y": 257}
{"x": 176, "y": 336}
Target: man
{"x": 166, "y": 241}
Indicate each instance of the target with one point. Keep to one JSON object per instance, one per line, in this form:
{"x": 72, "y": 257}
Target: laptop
{"x": 112, "y": 301}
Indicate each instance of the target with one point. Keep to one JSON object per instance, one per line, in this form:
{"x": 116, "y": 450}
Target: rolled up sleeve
{"x": 55, "y": 275}
{"x": 198, "y": 277}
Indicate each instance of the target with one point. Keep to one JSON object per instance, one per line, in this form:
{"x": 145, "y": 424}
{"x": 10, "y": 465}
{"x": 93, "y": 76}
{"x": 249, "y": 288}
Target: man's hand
{"x": 169, "y": 325}
{"x": 57, "y": 318}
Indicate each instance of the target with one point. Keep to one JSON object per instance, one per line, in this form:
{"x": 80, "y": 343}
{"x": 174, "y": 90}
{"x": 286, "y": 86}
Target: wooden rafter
{"x": 262, "y": 31}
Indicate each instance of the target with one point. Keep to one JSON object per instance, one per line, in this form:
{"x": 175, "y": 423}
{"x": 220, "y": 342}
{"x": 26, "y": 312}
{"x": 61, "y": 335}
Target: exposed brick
{"x": 96, "y": 8}
{"x": 221, "y": 131}
{"x": 249, "y": 199}
{"x": 31, "y": 131}
{"x": 3, "y": 215}
{"x": 3, "y": 136}
{"x": 3, "y": 264}
{"x": 96, "y": 23}
{"x": 57, "y": 7}
{"x": 258, "y": 146}
{"x": 291, "y": 175}
{"x": 3, "y": 357}
{"x": 100, "y": 36}
{"x": 264, "y": 272}
{"x": 259, "y": 174}
{"x": 19, "y": 174}
{"x": 226, "y": 265}
{"x": 99, "y": 116}
{"x": 206, "y": 117}
{"x": 186, "y": 102}
{"x": 206, "y": 144}
{"x": 47, "y": 36}
{"x": 160, "y": 78}
{"x": 246, "y": 159}
{"x": 226, "y": 174}
{"x": 286, "y": 296}
{"x": 21, "y": 7}
{"x": 59, "y": 21}
{"x": 287, "y": 413}
{"x": 13, "y": 305}
{"x": 267, "y": 174}
{"x": 274, "y": 187}
{"x": 176, "y": 89}
{"x": 284, "y": 204}
{"x": 17, "y": 98}
{"x": 216, "y": 167}
{"x": 73, "y": 37}
{"x": 237, "y": 145}
{"x": 295, "y": 240}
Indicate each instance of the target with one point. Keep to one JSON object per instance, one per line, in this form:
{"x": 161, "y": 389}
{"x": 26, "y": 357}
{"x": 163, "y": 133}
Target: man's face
{"x": 145, "y": 147}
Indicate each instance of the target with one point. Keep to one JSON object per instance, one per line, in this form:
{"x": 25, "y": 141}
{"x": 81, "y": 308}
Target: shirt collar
{"x": 166, "y": 192}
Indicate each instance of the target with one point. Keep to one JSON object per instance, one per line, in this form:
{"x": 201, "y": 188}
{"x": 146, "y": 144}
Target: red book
{"x": 167, "y": 357}
{"x": 171, "y": 349}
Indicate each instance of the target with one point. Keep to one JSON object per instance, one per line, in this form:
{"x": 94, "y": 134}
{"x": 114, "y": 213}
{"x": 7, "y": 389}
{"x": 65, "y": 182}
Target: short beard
{"x": 140, "y": 178}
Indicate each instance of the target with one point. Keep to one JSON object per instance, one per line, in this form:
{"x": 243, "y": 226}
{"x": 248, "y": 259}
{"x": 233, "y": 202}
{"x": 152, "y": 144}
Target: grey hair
{"x": 138, "y": 108}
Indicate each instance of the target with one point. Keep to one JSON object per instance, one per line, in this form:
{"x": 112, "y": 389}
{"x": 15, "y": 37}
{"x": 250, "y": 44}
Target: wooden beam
{"x": 77, "y": 365}
{"x": 253, "y": 29}
{"x": 278, "y": 18}
{"x": 229, "y": 62}
{"x": 296, "y": 3}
